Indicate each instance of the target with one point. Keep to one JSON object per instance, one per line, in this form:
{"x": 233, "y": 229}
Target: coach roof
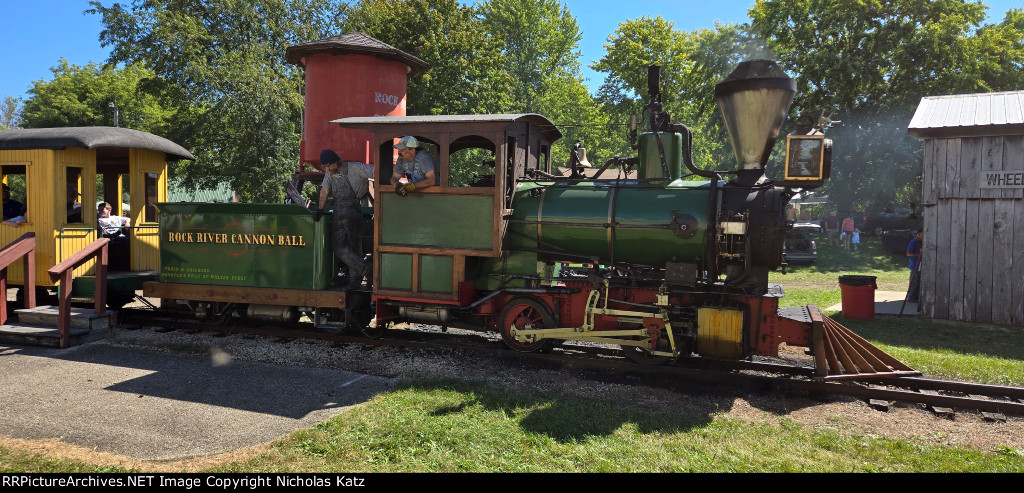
{"x": 89, "y": 138}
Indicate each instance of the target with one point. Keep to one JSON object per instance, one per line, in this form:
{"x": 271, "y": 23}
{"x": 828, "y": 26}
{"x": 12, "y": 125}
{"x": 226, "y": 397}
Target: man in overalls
{"x": 347, "y": 183}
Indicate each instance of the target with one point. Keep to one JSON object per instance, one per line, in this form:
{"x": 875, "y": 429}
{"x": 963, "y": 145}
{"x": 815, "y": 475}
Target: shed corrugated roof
{"x": 89, "y": 138}
{"x": 969, "y": 115}
{"x": 357, "y": 43}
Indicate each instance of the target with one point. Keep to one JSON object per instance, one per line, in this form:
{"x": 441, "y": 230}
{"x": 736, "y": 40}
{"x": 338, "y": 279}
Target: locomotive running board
{"x": 839, "y": 353}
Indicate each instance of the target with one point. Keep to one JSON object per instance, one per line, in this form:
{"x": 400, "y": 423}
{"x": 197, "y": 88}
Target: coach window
{"x": 73, "y": 179}
{"x": 152, "y": 197}
{"x": 15, "y": 194}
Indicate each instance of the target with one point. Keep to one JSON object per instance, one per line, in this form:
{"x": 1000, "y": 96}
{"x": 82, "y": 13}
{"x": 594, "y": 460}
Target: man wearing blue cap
{"x": 414, "y": 168}
{"x": 346, "y": 182}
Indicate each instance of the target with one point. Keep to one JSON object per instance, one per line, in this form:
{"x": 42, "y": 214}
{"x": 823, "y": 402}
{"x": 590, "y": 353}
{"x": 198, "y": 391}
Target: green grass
{"x": 470, "y": 427}
{"x": 966, "y": 352}
{"x": 467, "y": 426}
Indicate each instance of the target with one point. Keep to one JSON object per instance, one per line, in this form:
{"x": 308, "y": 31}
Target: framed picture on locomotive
{"x": 677, "y": 256}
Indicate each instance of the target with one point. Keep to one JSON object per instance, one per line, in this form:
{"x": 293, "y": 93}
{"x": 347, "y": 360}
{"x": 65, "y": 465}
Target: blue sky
{"x": 37, "y": 33}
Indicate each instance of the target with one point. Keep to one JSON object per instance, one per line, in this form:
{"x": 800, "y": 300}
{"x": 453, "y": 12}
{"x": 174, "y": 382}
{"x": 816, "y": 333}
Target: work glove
{"x": 317, "y": 214}
{"x": 403, "y": 189}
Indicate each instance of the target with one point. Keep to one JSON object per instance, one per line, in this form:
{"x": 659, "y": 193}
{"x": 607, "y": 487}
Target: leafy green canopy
{"x": 691, "y": 64}
{"x": 872, "y": 62}
{"x": 219, "y": 65}
{"x": 86, "y": 96}
{"x": 541, "y": 47}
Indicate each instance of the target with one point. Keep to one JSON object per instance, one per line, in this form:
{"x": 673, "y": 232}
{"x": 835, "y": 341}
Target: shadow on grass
{"x": 996, "y": 341}
{"x": 572, "y": 419}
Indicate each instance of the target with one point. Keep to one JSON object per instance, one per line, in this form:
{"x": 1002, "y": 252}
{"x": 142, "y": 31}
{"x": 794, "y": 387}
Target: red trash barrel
{"x": 858, "y": 296}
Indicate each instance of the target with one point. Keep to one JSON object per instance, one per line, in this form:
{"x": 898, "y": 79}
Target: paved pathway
{"x": 150, "y": 405}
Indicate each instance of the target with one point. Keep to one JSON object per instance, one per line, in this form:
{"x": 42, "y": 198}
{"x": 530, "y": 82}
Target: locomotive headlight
{"x": 754, "y": 100}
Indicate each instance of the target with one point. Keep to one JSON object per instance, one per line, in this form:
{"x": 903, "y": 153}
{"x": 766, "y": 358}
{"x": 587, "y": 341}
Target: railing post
{"x": 100, "y": 291}
{"x": 24, "y": 248}
{"x": 3, "y": 289}
{"x": 64, "y": 309}
{"x": 64, "y": 273}
{"x": 30, "y": 278}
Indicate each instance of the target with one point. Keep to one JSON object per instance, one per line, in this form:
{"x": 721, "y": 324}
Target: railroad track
{"x": 941, "y": 396}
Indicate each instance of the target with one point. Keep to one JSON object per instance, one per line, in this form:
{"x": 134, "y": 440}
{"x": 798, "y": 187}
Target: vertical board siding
{"x": 957, "y": 258}
{"x": 970, "y": 168}
{"x": 1017, "y": 279}
{"x": 971, "y": 234}
{"x": 940, "y": 257}
{"x": 983, "y": 299}
{"x": 927, "y": 279}
{"x": 971, "y": 249}
{"x": 1002, "y": 262}
{"x": 1013, "y": 160}
{"x": 927, "y": 188}
{"x": 991, "y": 160}
{"x": 951, "y": 180}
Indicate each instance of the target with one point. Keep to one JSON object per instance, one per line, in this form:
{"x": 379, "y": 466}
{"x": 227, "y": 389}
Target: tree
{"x": 220, "y": 65}
{"x": 82, "y": 96}
{"x": 541, "y": 46}
{"x": 872, "y": 62}
{"x": 466, "y": 74}
{"x": 10, "y": 111}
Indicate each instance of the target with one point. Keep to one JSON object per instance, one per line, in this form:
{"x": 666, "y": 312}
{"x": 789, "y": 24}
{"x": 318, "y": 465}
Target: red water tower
{"x": 349, "y": 75}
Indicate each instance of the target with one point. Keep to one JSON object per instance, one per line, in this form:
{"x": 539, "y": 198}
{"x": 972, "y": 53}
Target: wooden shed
{"x": 972, "y": 195}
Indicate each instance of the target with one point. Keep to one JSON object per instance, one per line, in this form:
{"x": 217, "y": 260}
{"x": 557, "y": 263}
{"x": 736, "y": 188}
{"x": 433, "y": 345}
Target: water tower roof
{"x": 355, "y": 43}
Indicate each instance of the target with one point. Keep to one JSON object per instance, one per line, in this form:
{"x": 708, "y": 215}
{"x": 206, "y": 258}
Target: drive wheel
{"x": 521, "y": 313}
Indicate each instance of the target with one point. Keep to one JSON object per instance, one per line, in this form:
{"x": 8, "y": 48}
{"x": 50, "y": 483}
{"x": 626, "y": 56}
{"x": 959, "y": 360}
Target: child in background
{"x": 856, "y": 239}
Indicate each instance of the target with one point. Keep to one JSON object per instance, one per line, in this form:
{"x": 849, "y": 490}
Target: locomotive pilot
{"x": 347, "y": 183}
{"x": 414, "y": 167}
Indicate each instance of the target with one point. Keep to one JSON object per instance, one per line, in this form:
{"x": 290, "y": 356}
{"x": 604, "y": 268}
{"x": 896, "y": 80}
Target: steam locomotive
{"x": 634, "y": 254}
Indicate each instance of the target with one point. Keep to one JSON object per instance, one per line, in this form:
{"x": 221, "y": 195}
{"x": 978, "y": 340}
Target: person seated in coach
{"x": 12, "y": 208}
{"x": 111, "y": 225}
{"x": 74, "y": 207}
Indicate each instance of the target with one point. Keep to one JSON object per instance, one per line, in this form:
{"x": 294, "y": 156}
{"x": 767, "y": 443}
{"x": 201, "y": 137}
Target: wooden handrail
{"x": 22, "y": 248}
{"x": 64, "y": 272}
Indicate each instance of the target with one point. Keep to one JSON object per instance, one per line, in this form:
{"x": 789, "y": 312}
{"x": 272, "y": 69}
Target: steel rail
{"x": 701, "y": 371}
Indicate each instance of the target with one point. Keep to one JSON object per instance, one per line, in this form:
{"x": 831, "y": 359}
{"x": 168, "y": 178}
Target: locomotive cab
{"x": 430, "y": 244}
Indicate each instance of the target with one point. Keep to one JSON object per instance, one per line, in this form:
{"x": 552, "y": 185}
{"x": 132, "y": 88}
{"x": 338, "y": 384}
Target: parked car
{"x": 893, "y": 218}
{"x": 800, "y": 248}
{"x": 895, "y": 241}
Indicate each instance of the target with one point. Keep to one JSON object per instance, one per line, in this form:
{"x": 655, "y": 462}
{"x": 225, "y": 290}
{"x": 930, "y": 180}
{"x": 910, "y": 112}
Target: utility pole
{"x": 116, "y": 112}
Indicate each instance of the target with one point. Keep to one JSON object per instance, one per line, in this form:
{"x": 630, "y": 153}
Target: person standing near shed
{"x": 832, "y": 227}
{"x": 847, "y": 232}
{"x": 346, "y": 183}
{"x": 914, "y": 254}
